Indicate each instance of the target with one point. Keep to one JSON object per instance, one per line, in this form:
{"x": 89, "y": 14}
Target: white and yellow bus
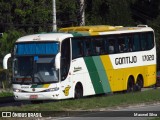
{"x": 83, "y": 61}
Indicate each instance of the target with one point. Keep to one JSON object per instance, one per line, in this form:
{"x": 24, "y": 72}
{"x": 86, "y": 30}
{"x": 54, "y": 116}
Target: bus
{"x": 83, "y": 61}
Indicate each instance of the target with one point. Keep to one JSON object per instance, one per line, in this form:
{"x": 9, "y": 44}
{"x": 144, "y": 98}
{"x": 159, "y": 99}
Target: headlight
{"x": 52, "y": 89}
{"x": 16, "y": 90}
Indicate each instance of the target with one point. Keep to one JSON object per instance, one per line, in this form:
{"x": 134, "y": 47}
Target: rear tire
{"x": 78, "y": 91}
{"x": 130, "y": 85}
{"x": 139, "y": 83}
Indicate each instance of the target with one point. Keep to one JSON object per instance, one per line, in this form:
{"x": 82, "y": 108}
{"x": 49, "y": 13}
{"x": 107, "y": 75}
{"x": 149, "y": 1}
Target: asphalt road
{"x": 146, "y": 112}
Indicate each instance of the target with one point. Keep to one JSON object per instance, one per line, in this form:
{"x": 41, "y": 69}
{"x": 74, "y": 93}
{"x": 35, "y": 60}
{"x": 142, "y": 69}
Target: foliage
{"x": 156, "y": 25}
{"x": 21, "y": 17}
{"x": 6, "y": 94}
{"x": 119, "y": 13}
{"x": 7, "y": 41}
{"x": 4, "y": 79}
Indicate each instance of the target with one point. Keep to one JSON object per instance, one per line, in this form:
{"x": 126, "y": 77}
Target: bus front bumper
{"x": 36, "y": 96}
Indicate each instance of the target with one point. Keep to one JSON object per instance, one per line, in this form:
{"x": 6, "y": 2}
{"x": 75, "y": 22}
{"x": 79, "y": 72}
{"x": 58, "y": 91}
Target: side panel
{"x": 97, "y": 74}
{"x": 126, "y": 64}
{"x": 105, "y": 75}
{"x": 102, "y": 74}
{"x": 94, "y": 75}
{"x": 79, "y": 73}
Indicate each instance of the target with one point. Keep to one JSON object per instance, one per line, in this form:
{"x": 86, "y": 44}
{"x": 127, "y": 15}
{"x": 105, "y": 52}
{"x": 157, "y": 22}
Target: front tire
{"x": 78, "y": 91}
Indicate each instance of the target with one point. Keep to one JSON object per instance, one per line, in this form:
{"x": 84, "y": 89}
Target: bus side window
{"x": 98, "y": 46}
{"x": 136, "y": 42}
{"x": 106, "y": 43}
{"x": 150, "y": 41}
{"x": 122, "y": 44}
{"x": 129, "y": 43}
{"x": 143, "y": 41}
{"x": 111, "y": 46}
{"x": 88, "y": 47}
{"x": 77, "y": 48}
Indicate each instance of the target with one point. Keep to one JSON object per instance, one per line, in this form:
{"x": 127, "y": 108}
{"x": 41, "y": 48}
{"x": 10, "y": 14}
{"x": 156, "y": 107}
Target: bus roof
{"x": 44, "y": 37}
{"x": 83, "y": 31}
{"x": 103, "y": 29}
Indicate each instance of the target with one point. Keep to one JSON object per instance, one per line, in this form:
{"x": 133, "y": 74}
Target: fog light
{"x": 16, "y": 96}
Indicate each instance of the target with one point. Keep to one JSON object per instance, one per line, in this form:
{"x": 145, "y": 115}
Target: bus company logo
{"x": 6, "y": 114}
{"x": 126, "y": 60}
{"x": 66, "y": 90}
{"x": 76, "y": 69}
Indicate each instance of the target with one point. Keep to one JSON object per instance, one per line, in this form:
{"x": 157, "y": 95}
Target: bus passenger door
{"x": 65, "y": 83}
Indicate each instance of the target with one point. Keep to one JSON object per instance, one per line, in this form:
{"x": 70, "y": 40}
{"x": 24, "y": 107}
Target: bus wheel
{"x": 139, "y": 83}
{"x": 130, "y": 85}
{"x": 78, "y": 91}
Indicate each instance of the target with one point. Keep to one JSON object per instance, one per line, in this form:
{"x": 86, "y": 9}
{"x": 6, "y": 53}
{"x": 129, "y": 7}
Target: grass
{"x": 157, "y": 118}
{"x": 5, "y": 94}
{"x": 91, "y": 103}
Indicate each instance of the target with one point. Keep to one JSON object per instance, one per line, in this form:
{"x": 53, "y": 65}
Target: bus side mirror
{"x": 57, "y": 61}
{"x": 5, "y": 61}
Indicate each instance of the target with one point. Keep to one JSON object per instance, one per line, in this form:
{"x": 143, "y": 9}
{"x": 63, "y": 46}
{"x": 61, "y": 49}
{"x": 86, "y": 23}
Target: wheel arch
{"x": 78, "y": 84}
{"x": 127, "y": 79}
{"x": 140, "y": 75}
{"x": 141, "y": 78}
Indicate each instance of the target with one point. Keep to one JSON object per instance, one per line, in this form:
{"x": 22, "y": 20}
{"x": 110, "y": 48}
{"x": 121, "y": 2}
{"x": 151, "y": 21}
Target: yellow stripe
{"x": 93, "y": 33}
{"x": 46, "y": 85}
{"x": 108, "y": 68}
{"x": 106, "y": 62}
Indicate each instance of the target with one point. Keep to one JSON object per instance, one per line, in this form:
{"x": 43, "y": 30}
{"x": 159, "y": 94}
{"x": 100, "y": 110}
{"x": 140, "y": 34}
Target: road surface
{"x": 146, "y": 112}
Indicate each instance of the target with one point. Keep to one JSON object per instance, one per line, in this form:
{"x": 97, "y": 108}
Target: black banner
{"x": 33, "y": 114}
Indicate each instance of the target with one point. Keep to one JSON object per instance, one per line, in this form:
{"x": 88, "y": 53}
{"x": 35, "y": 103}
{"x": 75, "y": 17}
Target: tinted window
{"x": 122, "y": 44}
{"x": 147, "y": 41}
{"x": 111, "y": 45}
{"x": 150, "y": 40}
{"x": 144, "y": 43}
{"x": 88, "y": 47}
{"x": 136, "y": 42}
{"x": 98, "y": 46}
{"x": 77, "y": 48}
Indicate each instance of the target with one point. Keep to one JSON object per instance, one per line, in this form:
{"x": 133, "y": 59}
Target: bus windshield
{"x": 28, "y": 70}
{"x": 36, "y": 66}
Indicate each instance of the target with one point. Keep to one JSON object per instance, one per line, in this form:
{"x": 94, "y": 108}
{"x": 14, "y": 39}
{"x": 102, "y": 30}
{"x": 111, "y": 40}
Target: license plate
{"x": 33, "y": 96}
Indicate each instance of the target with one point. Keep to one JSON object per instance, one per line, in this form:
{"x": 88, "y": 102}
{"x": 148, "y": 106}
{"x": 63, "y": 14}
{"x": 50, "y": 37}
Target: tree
{"x": 81, "y": 12}
{"x": 119, "y": 13}
{"x": 5, "y": 16}
{"x": 156, "y": 26}
{"x": 96, "y": 12}
{"x": 66, "y": 13}
{"x": 7, "y": 41}
{"x": 112, "y": 12}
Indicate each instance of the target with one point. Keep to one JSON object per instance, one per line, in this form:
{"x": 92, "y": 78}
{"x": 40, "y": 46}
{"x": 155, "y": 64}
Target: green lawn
{"x": 92, "y": 102}
{"x": 5, "y": 94}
